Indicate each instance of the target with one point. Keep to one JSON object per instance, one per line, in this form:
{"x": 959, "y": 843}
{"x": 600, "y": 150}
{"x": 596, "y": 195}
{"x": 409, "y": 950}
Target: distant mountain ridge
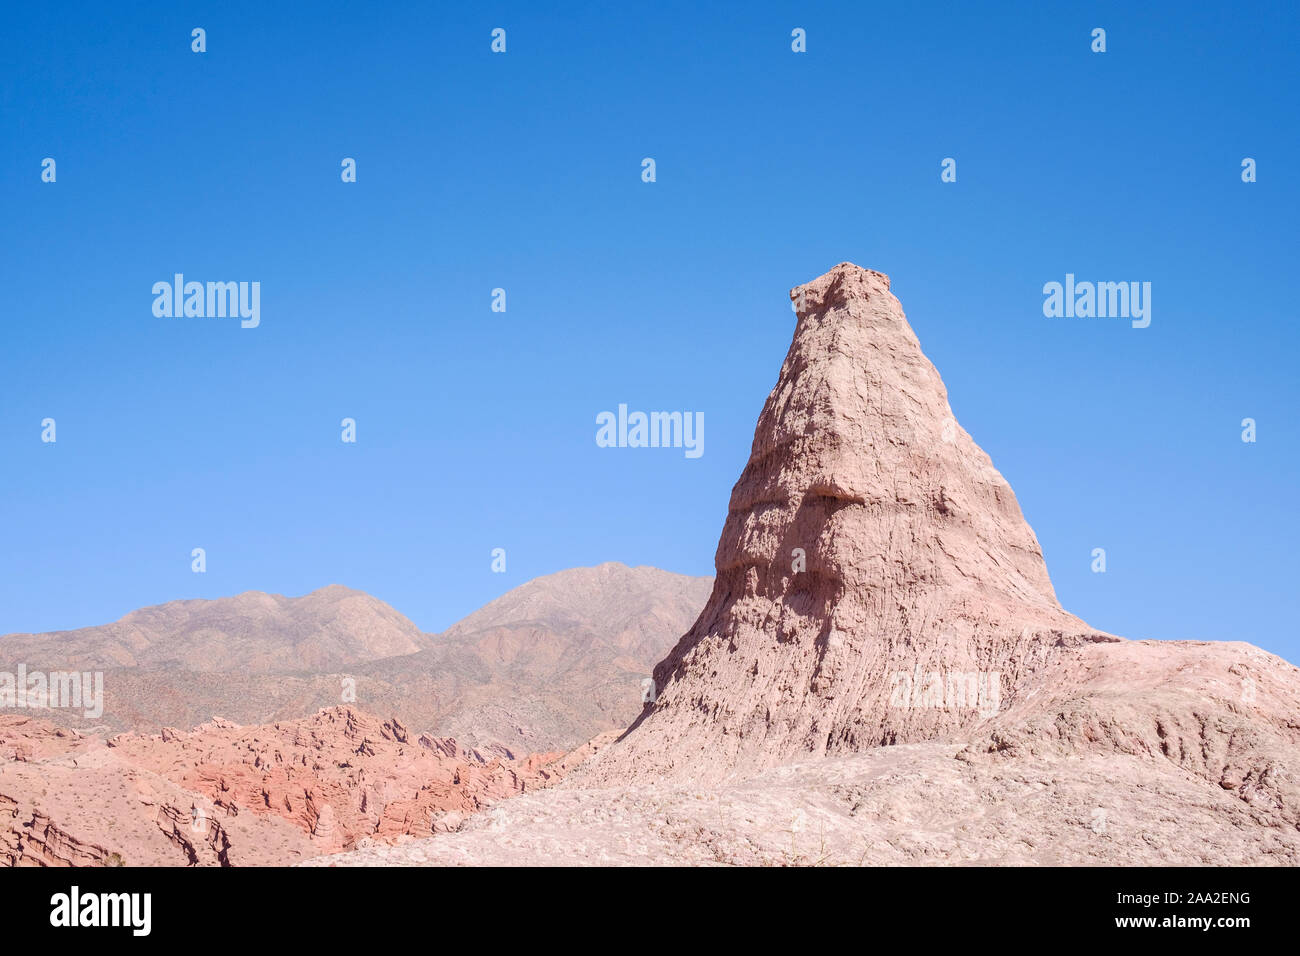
{"x": 547, "y": 665}
{"x": 253, "y": 631}
{"x": 551, "y": 663}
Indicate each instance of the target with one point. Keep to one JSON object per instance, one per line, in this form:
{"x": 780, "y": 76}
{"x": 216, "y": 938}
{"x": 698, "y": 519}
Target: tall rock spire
{"x": 871, "y": 557}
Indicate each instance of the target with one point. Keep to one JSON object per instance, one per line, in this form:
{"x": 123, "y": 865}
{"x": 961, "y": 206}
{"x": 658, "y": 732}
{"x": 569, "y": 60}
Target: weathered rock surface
{"x": 867, "y": 536}
{"x": 225, "y": 795}
{"x": 69, "y": 799}
{"x": 922, "y": 609}
{"x": 911, "y": 804}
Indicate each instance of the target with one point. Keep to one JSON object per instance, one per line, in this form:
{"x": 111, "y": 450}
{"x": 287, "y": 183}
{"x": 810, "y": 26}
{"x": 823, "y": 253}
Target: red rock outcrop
{"x": 39, "y": 841}
{"x": 338, "y": 776}
{"x": 226, "y": 795}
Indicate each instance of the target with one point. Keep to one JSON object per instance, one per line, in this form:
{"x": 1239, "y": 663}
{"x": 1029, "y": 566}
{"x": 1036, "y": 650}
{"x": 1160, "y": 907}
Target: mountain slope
{"x": 252, "y": 632}
{"x": 546, "y": 666}
{"x": 549, "y": 664}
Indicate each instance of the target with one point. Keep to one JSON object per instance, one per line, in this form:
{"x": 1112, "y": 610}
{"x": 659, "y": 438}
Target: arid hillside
{"x": 546, "y": 666}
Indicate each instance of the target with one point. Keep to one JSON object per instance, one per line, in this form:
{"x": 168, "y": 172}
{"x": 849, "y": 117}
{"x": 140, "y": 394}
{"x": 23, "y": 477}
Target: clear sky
{"x": 476, "y": 429}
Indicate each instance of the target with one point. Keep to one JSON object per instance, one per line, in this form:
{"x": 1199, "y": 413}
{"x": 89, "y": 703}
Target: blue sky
{"x": 522, "y": 171}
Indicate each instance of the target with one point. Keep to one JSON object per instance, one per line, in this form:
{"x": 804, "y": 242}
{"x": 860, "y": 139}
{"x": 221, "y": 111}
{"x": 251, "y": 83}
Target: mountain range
{"x": 546, "y": 666}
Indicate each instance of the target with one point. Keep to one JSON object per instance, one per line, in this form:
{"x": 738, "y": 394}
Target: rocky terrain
{"x": 226, "y": 795}
{"x": 883, "y": 674}
{"x": 545, "y": 668}
{"x": 923, "y": 804}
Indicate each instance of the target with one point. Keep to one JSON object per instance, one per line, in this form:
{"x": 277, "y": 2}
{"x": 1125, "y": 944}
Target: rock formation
{"x": 877, "y": 585}
{"x": 226, "y": 795}
{"x": 323, "y": 828}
